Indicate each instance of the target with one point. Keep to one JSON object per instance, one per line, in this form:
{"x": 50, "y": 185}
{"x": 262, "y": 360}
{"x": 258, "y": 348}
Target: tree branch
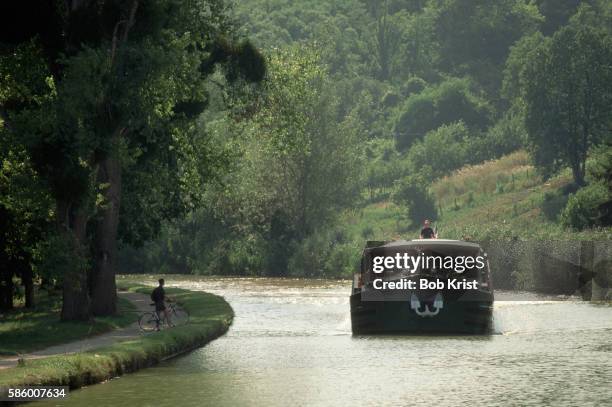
{"x": 130, "y": 22}
{"x": 128, "y": 25}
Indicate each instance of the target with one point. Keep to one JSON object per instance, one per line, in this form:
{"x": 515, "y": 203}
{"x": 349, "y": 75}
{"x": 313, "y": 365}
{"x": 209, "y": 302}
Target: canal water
{"x": 291, "y": 345}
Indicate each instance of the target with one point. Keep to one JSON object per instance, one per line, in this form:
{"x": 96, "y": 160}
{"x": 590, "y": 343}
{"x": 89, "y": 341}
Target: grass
{"x": 513, "y": 170}
{"x": 375, "y": 221}
{"x": 503, "y": 199}
{"x": 499, "y": 199}
{"x": 210, "y": 317}
{"x": 24, "y": 330}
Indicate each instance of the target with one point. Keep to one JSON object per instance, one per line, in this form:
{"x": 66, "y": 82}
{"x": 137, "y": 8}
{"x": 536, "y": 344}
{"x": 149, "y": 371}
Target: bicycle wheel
{"x": 148, "y": 322}
{"x": 180, "y": 316}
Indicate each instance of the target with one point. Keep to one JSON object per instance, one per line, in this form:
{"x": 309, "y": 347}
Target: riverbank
{"x": 210, "y": 317}
{"x": 25, "y": 330}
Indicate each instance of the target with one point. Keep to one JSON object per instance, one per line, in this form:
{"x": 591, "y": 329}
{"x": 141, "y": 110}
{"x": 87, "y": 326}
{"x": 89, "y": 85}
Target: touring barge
{"x": 431, "y": 299}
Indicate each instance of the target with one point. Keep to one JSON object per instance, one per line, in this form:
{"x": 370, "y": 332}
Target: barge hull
{"x": 471, "y": 317}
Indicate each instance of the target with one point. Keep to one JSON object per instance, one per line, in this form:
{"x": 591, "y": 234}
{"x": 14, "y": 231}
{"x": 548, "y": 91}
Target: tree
{"x": 25, "y": 204}
{"x": 420, "y": 53}
{"x": 155, "y": 110}
{"x": 25, "y": 222}
{"x": 298, "y": 164}
{"x": 29, "y": 71}
{"x": 306, "y": 143}
{"x": 386, "y": 36}
{"x": 566, "y": 91}
{"x": 124, "y": 78}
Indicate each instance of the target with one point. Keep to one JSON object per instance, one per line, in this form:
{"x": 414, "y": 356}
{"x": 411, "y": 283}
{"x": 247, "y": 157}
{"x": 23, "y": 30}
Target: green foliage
{"x": 25, "y": 220}
{"x": 442, "y": 150}
{"x": 507, "y": 135}
{"x": 56, "y": 258}
{"x": 415, "y": 85}
{"x": 520, "y": 52}
{"x": 358, "y": 99}
{"x": 23, "y": 75}
{"x": 556, "y": 13}
{"x": 599, "y": 168}
{"x": 585, "y": 208}
{"x": 454, "y": 145}
{"x": 240, "y": 60}
{"x": 481, "y": 30}
{"x": 301, "y": 146}
{"x": 324, "y": 254}
{"x": 448, "y": 102}
{"x": 278, "y": 190}
{"x": 119, "y": 94}
{"x": 383, "y": 166}
{"x": 475, "y": 36}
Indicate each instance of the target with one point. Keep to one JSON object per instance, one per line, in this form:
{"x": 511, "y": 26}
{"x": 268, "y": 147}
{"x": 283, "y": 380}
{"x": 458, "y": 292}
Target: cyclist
{"x": 158, "y": 296}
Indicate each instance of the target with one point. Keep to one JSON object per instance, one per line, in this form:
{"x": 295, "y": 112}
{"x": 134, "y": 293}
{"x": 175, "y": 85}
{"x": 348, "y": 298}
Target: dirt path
{"x": 141, "y": 301}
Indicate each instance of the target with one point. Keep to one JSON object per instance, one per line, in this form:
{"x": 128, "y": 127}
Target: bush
{"x": 417, "y": 119}
{"x": 506, "y": 136}
{"x": 586, "y": 208}
{"x": 448, "y": 102}
{"x": 444, "y": 150}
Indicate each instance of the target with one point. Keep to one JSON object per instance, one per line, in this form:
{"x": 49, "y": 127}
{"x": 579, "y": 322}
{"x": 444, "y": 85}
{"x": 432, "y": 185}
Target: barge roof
{"x": 430, "y": 242}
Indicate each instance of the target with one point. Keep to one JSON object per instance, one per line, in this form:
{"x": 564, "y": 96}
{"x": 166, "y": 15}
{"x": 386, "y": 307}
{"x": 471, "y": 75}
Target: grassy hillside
{"x": 502, "y": 199}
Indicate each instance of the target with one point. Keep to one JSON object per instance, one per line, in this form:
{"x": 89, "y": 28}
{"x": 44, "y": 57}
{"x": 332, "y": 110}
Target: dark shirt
{"x": 427, "y": 233}
{"x": 158, "y": 295}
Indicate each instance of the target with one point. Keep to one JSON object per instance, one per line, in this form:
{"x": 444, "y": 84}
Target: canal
{"x": 291, "y": 344}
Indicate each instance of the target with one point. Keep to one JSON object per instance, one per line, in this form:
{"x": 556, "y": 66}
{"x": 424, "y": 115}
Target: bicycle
{"x": 151, "y": 321}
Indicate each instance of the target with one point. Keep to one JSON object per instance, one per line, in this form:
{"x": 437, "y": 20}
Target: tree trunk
{"x": 27, "y": 278}
{"x": 75, "y": 293}
{"x": 6, "y": 270}
{"x": 578, "y": 174}
{"x": 104, "y": 289}
{"x": 6, "y": 288}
